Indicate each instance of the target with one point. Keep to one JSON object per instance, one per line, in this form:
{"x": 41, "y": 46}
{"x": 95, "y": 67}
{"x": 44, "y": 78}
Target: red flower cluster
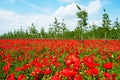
{"x": 59, "y": 59}
{"x": 6, "y": 68}
{"x": 108, "y": 76}
{"x": 11, "y": 77}
{"x": 93, "y": 72}
{"x": 68, "y": 72}
{"x": 21, "y": 77}
{"x": 108, "y": 65}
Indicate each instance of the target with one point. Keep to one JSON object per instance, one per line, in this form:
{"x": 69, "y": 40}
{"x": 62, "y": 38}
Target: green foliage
{"x": 82, "y": 22}
{"x": 116, "y": 26}
{"x": 106, "y": 24}
{"x": 42, "y": 32}
{"x": 2, "y": 75}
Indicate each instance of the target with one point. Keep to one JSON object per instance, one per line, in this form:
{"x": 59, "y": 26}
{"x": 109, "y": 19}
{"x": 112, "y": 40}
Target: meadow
{"x": 57, "y": 59}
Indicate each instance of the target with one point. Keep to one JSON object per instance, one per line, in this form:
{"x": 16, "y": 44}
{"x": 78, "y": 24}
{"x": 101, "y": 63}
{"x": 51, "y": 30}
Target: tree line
{"x": 83, "y": 30}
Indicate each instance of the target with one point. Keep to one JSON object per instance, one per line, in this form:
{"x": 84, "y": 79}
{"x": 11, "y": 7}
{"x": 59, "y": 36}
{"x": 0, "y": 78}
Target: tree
{"x": 22, "y": 33}
{"x": 83, "y": 17}
{"x": 116, "y": 25}
{"x": 106, "y": 22}
{"x": 32, "y": 30}
{"x": 99, "y": 32}
{"x": 78, "y": 30}
{"x": 56, "y": 26}
{"x": 63, "y": 29}
{"x": 42, "y": 32}
{"x": 26, "y": 33}
{"x": 51, "y": 32}
{"x": 93, "y": 30}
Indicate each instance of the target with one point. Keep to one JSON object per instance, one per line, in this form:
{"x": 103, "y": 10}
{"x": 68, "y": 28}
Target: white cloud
{"x": 11, "y": 20}
{"x": 96, "y": 22}
{"x": 69, "y": 14}
{"x": 69, "y": 1}
{"x": 71, "y": 9}
{"x": 66, "y": 12}
{"x": 94, "y": 7}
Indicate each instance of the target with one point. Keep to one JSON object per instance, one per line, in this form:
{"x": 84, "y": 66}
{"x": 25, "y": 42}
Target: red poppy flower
{"x": 47, "y": 71}
{"x": 92, "y": 72}
{"x": 68, "y": 72}
{"x": 78, "y": 77}
{"x": 114, "y": 75}
{"x": 36, "y": 71}
{"x": 10, "y": 77}
{"x": 92, "y": 64}
{"x": 119, "y": 57}
{"x": 108, "y": 65}
{"x": 107, "y": 75}
{"x": 68, "y": 62}
{"x": 18, "y": 69}
{"x": 38, "y": 65}
{"x": 6, "y": 68}
{"x": 21, "y": 77}
{"x": 55, "y": 78}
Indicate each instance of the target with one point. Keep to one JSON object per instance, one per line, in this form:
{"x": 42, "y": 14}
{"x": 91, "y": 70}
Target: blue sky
{"x": 16, "y": 13}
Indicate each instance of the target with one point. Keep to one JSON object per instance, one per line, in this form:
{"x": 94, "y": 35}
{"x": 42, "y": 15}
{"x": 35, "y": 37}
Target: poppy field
{"x": 45, "y": 59}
